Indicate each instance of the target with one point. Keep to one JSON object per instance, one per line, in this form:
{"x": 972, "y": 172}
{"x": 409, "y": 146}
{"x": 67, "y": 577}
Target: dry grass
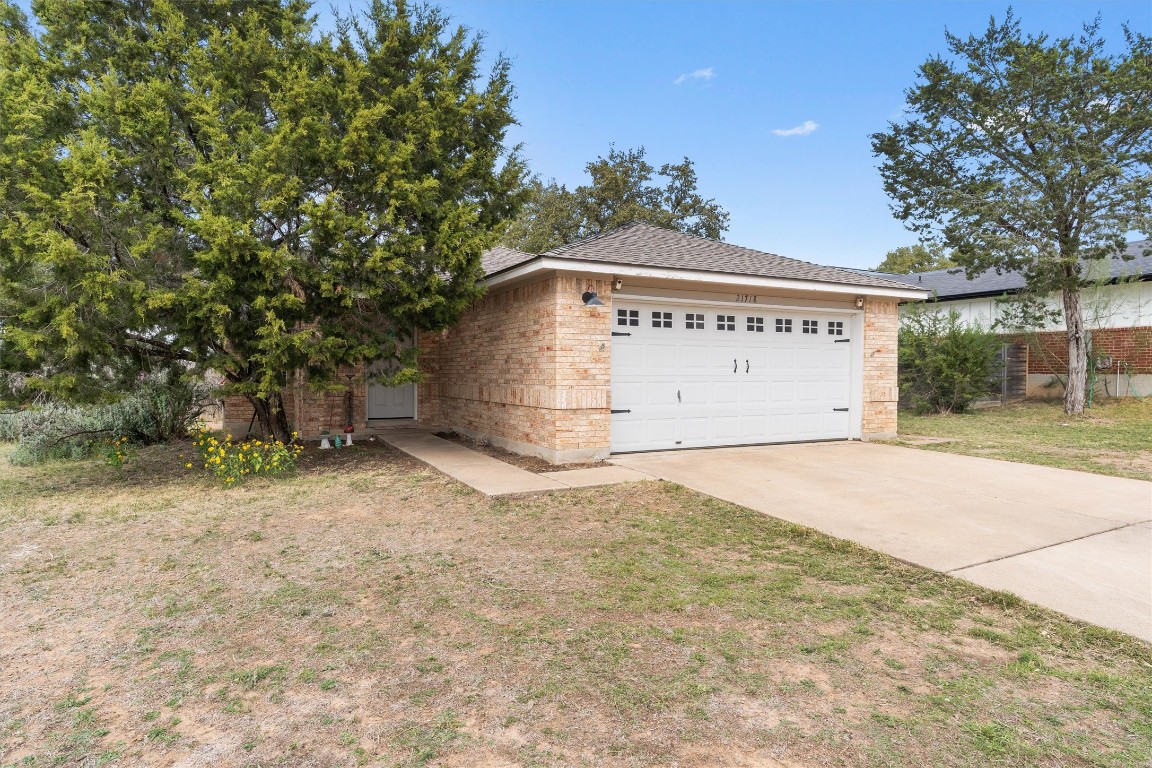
{"x": 1113, "y": 438}
{"x": 369, "y": 611}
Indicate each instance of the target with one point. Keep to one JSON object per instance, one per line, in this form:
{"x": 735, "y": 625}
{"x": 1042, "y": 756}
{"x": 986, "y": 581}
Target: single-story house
{"x": 1117, "y": 304}
{"x": 643, "y": 338}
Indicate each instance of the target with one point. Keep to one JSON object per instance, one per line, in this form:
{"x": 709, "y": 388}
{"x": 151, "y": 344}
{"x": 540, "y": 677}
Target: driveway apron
{"x": 1076, "y": 542}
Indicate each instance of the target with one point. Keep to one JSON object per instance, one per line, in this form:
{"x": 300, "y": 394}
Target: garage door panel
{"x": 662, "y": 356}
{"x": 695, "y": 356}
{"x": 782, "y": 392}
{"x": 754, "y": 393}
{"x": 725, "y": 393}
{"x": 735, "y": 386}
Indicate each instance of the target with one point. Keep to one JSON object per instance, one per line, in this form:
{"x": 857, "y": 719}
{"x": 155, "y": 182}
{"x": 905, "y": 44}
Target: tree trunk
{"x": 271, "y": 419}
{"x": 1075, "y": 388}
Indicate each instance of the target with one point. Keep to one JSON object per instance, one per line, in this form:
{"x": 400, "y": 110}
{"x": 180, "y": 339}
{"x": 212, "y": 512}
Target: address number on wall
{"x": 747, "y": 298}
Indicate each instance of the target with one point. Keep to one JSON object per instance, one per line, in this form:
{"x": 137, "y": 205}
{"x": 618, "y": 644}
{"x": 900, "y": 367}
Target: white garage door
{"x": 697, "y": 376}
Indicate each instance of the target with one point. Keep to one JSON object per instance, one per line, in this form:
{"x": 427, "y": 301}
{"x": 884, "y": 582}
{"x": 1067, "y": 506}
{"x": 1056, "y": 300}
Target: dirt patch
{"x": 530, "y": 463}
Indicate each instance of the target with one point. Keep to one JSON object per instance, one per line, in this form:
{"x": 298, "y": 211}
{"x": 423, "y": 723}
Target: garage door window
{"x": 756, "y": 324}
{"x": 811, "y": 326}
{"x": 627, "y": 317}
{"x": 725, "y": 322}
{"x": 835, "y": 327}
{"x": 694, "y": 322}
{"x": 783, "y": 325}
{"x": 661, "y": 319}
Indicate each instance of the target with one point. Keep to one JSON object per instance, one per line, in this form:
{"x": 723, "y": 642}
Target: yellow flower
{"x": 189, "y": 465}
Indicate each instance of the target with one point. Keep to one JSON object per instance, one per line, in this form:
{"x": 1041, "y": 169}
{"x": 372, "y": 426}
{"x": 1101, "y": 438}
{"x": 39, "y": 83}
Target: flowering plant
{"x": 116, "y": 453}
{"x": 232, "y": 461}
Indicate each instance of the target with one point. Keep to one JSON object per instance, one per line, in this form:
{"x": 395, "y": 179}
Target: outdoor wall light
{"x": 859, "y": 302}
{"x": 617, "y": 284}
{"x": 591, "y": 299}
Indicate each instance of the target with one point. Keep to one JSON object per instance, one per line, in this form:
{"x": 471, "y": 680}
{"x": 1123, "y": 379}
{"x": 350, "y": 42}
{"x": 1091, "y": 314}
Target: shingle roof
{"x": 644, "y": 245}
{"x": 501, "y": 258}
{"x": 953, "y": 284}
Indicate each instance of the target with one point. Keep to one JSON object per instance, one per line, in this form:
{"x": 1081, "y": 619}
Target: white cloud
{"x": 805, "y": 128}
{"x": 696, "y": 75}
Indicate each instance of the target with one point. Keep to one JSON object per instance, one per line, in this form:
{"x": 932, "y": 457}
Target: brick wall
{"x": 526, "y": 367}
{"x": 1133, "y": 346}
{"x": 309, "y": 412}
{"x": 881, "y": 328}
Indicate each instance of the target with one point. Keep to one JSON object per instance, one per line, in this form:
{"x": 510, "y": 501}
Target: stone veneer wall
{"x": 881, "y": 391}
{"x": 528, "y": 368}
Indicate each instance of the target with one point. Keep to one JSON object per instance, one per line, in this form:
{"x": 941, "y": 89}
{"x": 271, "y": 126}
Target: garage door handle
{"x": 735, "y": 365}
{"x": 620, "y": 333}
{"x": 746, "y": 366}
{"x": 677, "y": 395}
{"x": 840, "y": 409}
{"x": 622, "y": 410}
{"x": 841, "y": 341}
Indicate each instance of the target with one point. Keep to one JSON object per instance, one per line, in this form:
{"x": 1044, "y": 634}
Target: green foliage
{"x": 621, "y": 191}
{"x": 223, "y": 184}
{"x": 913, "y": 258}
{"x": 160, "y": 407}
{"x": 1029, "y": 154}
{"x": 232, "y": 462}
{"x": 945, "y": 364}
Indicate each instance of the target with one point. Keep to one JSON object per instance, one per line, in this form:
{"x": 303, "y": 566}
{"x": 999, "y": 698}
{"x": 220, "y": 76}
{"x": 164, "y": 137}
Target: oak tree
{"x": 1031, "y": 154}
{"x": 622, "y": 189}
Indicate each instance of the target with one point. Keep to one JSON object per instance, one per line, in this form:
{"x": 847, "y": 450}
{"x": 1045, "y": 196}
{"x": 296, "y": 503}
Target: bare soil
{"x": 370, "y": 611}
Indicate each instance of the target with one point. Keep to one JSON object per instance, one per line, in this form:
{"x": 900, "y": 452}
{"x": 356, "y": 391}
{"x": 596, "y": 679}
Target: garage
{"x": 703, "y": 375}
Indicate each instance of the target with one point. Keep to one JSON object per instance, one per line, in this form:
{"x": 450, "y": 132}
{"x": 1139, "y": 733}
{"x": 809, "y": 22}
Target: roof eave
{"x": 558, "y": 264}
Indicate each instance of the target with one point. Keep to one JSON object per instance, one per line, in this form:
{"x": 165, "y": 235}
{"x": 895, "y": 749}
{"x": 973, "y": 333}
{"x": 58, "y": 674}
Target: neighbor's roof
{"x": 644, "y": 245}
{"x": 953, "y": 284}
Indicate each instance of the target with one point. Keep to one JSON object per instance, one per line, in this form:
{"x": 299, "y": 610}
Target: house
{"x": 643, "y": 338}
{"x": 1117, "y": 305}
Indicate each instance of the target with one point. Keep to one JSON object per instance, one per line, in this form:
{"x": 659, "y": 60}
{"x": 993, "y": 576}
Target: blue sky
{"x": 719, "y": 81}
{"x": 590, "y": 74}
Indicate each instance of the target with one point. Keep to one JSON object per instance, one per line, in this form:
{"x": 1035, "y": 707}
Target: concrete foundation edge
{"x": 574, "y": 456}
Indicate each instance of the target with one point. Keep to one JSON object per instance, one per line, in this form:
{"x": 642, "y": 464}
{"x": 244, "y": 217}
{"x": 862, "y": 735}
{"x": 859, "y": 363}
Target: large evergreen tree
{"x": 221, "y": 184}
{"x": 1031, "y": 154}
{"x": 621, "y": 189}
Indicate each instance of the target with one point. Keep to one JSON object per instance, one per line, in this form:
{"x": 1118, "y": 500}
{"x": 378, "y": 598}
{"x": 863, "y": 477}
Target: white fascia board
{"x": 548, "y": 264}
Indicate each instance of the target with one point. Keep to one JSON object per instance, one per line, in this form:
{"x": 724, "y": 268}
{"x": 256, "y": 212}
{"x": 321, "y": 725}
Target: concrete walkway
{"x": 493, "y": 477}
{"x": 1072, "y": 541}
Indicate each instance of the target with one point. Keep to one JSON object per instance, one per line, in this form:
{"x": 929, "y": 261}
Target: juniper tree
{"x": 223, "y": 184}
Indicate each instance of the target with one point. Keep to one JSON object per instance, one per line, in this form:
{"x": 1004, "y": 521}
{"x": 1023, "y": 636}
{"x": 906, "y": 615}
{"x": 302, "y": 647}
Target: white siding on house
{"x": 1128, "y": 305}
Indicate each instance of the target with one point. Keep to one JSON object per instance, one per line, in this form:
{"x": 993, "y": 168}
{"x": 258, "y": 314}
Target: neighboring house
{"x": 644, "y": 338}
{"x": 1117, "y": 306}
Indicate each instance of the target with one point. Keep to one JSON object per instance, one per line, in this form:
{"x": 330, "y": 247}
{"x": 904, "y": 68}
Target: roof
{"x": 501, "y": 258}
{"x": 953, "y": 284}
{"x": 644, "y": 245}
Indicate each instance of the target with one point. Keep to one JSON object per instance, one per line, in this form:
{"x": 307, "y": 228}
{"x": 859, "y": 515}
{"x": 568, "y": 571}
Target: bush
{"x": 160, "y": 407}
{"x": 233, "y": 462}
{"x": 945, "y": 364}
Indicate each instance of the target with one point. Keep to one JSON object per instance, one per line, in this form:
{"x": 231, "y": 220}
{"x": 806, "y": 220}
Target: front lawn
{"x": 1113, "y": 438}
{"x": 370, "y": 611}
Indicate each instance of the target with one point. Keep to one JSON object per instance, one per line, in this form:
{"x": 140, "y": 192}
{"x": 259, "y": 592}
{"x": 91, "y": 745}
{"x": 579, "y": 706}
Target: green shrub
{"x": 945, "y": 364}
{"x": 160, "y": 407}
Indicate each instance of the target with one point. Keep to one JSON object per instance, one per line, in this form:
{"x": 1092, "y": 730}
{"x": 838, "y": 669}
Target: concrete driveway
{"x": 1072, "y": 541}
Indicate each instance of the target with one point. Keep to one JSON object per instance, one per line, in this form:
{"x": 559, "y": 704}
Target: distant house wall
{"x": 1120, "y": 320}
